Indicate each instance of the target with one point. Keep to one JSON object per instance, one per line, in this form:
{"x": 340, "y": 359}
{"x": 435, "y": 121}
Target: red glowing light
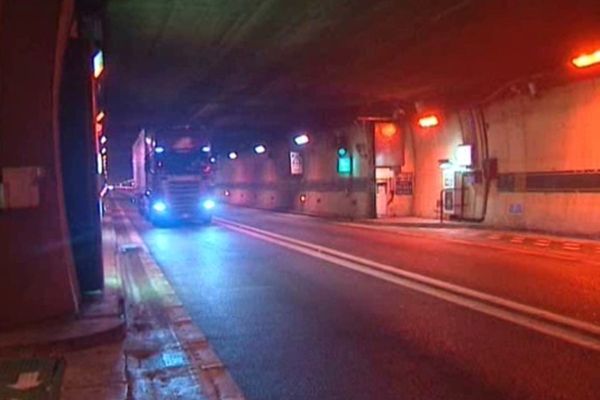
{"x": 429, "y": 121}
{"x": 99, "y": 130}
{"x": 587, "y": 60}
{"x": 388, "y": 129}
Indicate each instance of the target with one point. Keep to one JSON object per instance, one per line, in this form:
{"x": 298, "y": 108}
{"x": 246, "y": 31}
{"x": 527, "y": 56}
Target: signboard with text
{"x": 296, "y": 163}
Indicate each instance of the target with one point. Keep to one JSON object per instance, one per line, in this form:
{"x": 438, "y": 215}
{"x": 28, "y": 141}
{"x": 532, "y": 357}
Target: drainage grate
{"x": 129, "y": 247}
{"x": 31, "y": 379}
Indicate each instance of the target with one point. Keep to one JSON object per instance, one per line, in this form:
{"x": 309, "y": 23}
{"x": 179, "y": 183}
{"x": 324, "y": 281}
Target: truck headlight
{"x": 159, "y": 206}
{"x": 208, "y": 204}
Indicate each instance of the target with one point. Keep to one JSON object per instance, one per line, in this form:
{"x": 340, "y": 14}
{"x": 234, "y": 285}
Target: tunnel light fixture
{"x": 100, "y": 116}
{"x": 212, "y": 160}
{"x": 206, "y": 149}
{"x": 159, "y": 150}
{"x": 260, "y": 149}
{"x": 227, "y": 193}
{"x": 428, "y": 121}
{"x": 103, "y": 150}
{"x": 103, "y": 139}
{"x": 232, "y": 155}
{"x": 98, "y": 64}
{"x": 586, "y": 60}
{"x": 303, "y": 198}
{"x": 301, "y": 139}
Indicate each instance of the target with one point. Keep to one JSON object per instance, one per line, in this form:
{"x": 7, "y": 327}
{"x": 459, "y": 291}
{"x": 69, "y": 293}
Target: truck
{"x": 173, "y": 177}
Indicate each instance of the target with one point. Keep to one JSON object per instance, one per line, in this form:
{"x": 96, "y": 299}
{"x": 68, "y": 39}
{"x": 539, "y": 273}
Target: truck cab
{"x": 174, "y": 179}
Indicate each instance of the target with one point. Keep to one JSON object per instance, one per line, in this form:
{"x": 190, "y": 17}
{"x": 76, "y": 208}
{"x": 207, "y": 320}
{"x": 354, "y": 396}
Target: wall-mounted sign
{"x": 464, "y": 155}
{"x": 389, "y": 144}
{"x": 404, "y": 184}
{"x": 20, "y": 187}
{"x": 448, "y": 178}
{"x": 344, "y": 166}
{"x": 296, "y": 163}
{"x": 515, "y": 208}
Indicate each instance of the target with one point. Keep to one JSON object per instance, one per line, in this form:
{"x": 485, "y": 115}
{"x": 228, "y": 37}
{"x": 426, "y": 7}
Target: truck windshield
{"x": 182, "y": 163}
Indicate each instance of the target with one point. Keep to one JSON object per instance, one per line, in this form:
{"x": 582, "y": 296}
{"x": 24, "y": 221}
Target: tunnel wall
{"x": 37, "y": 272}
{"x": 538, "y": 141}
{"x": 548, "y": 152}
{"x": 265, "y": 181}
{"x": 548, "y": 166}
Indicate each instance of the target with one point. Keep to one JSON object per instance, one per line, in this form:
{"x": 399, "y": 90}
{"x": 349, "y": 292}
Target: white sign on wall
{"x": 296, "y": 163}
{"x": 448, "y": 179}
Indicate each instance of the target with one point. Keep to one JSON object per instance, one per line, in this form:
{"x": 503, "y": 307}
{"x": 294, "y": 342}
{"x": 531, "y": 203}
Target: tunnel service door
{"x": 382, "y": 199}
{"x": 383, "y": 179}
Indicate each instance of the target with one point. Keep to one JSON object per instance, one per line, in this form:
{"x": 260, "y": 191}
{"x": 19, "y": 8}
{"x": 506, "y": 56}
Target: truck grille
{"x": 183, "y": 196}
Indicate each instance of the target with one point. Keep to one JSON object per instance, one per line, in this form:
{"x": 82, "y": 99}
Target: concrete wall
{"x": 37, "y": 272}
{"x": 265, "y": 181}
{"x": 555, "y": 132}
{"x": 558, "y": 131}
{"x": 430, "y": 146}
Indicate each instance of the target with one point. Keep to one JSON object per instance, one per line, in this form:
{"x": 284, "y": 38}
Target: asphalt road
{"x": 294, "y": 324}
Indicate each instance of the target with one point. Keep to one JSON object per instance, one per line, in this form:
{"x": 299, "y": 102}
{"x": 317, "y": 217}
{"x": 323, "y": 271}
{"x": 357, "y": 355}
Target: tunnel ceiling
{"x": 272, "y": 65}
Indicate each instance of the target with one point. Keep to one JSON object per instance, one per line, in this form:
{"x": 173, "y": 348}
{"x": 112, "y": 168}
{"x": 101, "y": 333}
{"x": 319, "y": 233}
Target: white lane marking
{"x": 571, "y": 246}
{"x": 470, "y": 243}
{"x": 574, "y": 331}
{"x": 517, "y": 239}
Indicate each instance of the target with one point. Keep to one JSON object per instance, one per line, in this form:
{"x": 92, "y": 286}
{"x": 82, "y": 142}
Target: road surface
{"x": 304, "y": 308}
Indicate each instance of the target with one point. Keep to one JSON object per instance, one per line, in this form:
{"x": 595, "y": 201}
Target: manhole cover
{"x": 31, "y": 379}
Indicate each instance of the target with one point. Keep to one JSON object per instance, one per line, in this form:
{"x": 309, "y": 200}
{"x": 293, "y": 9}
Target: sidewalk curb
{"x": 206, "y": 368}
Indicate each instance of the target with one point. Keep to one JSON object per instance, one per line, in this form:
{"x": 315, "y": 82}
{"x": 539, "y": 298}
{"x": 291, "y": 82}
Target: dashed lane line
{"x": 571, "y": 246}
{"x": 563, "y": 256}
{"x": 517, "y": 240}
{"x": 574, "y": 331}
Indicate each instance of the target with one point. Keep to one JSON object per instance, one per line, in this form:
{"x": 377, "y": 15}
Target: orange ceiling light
{"x": 587, "y": 60}
{"x": 388, "y": 129}
{"x": 428, "y": 121}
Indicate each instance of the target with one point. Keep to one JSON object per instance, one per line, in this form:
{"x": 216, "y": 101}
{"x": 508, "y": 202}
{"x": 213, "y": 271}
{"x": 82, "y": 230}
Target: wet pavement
{"x": 289, "y": 325}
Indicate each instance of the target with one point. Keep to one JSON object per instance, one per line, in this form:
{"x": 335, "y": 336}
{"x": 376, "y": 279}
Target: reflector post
{"x": 98, "y": 64}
